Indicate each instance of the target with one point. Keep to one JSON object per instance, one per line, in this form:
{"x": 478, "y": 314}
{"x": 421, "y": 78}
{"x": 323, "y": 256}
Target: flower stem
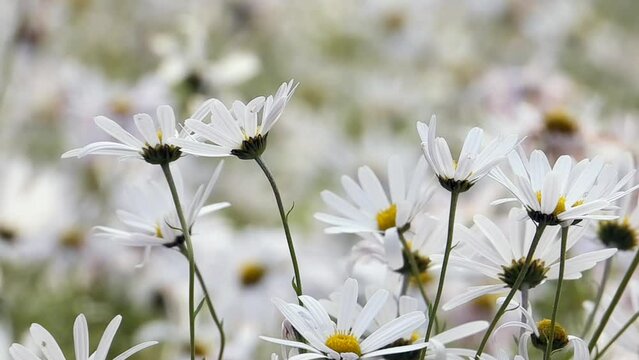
{"x": 209, "y": 304}
{"x": 414, "y": 270}
{"x": 454, "y": 196}
{"x": 516, "y": 286}
{"x": 600, "y": 291}
{"x": 297, "y": 282}
{"x": 524, "y": 304}
{"x": 560, "y": 279}
{"x": 632, "y": 319}
{"x": 615, "y": 301}
{"x": 189, "y": 252}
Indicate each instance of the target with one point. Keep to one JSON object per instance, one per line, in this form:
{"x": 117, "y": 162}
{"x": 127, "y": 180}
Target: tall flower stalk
{"x": 600, "y": 292}
{"x": 562, "y": 268}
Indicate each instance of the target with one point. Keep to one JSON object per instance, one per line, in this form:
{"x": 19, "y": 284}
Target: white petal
{"x": 392, "y": 331}
{"x": 135, "y": 349}
{"x": 369, "y": 312}
{"x": 115, "y": 130}
{"x": 19, "y": 352}
{"x": 461, "y": 331}
{"x": 346, "y": 314}
{"x": 46, "y": 342}
{"x": 105, "y": 342}
{"x": 81, "y": 338}
{"x": 395, "y": 350}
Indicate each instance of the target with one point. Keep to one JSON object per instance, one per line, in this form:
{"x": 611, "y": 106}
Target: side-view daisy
{"x": 564, "y": 193}
{"x": 51, "y": 350}
{"x": 345, "y": 339}
{"x": 151, "y": 219}
{"x": 154, "y": 148}
{"x": 501, "y": 255}
{"x": 235, "y": 131}
{"x": 474, "y": 162}
{"x": 369, "y": 209}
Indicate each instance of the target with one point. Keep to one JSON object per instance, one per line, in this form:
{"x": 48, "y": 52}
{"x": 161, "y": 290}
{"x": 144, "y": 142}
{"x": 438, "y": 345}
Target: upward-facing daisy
{"x": 235, "y": 131}
{"x": 473, "y": 162}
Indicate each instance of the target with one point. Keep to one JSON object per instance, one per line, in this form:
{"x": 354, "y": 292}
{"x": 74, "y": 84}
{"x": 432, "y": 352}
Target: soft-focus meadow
{"x": 562, "y": 74}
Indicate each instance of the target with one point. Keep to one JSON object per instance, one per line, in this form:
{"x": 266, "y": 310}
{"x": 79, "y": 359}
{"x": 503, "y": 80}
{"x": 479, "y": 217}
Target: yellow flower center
{"x": 560, "y": 121}
{"x": 158, "y": 231}
{"x": 160, "y": 136}
{"x": 561, "y": 204}
{"x": 559, "y": 340}
{"x": 386, "y": 218}
{"x": 121, "y": 105}
{"x": 344, "y": 343}
{"x": 251, "y": 273}
{"x": 72, "y": 238}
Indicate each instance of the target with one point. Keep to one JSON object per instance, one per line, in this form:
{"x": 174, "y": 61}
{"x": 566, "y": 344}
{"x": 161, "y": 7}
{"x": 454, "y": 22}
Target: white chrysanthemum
{"x": 473, "y": 162}
{"x": 345, "y": 339}
{"x": 370, "y": 210}
{"x": 51, "y": 350}
{"x": 500, "y": 255}
{"x": 153, "y": 221}
{"x": 538, "y": 333}
{"x": 566, "y": 192}
{"x": 235, "y": 131}
{"x": 154, "y": 148}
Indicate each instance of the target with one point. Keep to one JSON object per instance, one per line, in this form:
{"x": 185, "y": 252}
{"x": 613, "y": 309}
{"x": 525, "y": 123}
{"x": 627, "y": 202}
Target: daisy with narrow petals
{"x": 235, "y": 131}
{"x": 51, "y": 350}
{"x": 346, "y": 340}
{"x": 369, "y": 209}
{"x": 473, "y": 163}
{"x": 154, "y": 148}
{"x": 566, "y": 192}
{"x": 151, "y": 218}
{"x": 500, "y": 255}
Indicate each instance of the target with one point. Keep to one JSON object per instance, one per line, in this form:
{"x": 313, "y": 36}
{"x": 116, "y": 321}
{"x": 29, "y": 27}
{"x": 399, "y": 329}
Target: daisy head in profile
{"x": 154, "y": 147}
{"x": 565, "y": 193}
{"x": 368, "y": 207}
{"x": 51, "y": 350}
{"x": 474, "y": 161}
{"x": 348, "y": 338}
{"x": 240, "y": 130}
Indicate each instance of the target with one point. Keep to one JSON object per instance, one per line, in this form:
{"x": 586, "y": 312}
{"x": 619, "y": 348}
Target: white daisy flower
{"x": 564, "y": 193}
{"x": 153, "y": 221}
{"x": 501, "y": 255}
{"x": 369, "y": 209}
{"x": 539, "y": 332}
{"x": 51, "y": 350}
{"x": 473, "y": 162}
{"x": 235, "y": 131}
{"x": 154, "y": 148}
{"x": 345, "y": 339}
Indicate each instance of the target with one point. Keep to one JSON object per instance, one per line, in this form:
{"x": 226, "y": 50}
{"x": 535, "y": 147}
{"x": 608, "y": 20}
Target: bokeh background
{"x": 562, "y": 73}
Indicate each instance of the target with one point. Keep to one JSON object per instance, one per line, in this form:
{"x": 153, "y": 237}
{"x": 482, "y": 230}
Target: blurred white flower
{"x": 473, "y": 163}
{"x": 236, "y": 131}
{"x": 51, "y": 350}
{"x": 341, "y": 340}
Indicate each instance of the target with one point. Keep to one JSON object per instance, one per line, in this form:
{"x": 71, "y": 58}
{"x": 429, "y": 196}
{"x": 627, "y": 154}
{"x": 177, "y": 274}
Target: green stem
{"x": 560, "y": 279}
{"x": 297, "y": 286}
{"x": 600, "y": 291}
{"x": 454, "y": 196}
{"x": 524, "y": 304}
{"x": 633, "y": 318}
{"x": 216, "y": 319}
{"x": 189, "y": 250}
{"x": 615, "y": 301}
{"x": 516, "y": 286}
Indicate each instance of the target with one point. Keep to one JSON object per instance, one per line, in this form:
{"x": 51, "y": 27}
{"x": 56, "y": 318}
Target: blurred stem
{"x": 560, "y": 280}
{"x": 614, "y": 302}
{"x": 405, "y": 282}
{"x": 189, "y": 253}
{"x": 297, "y": 282}
{"x": 632, "y": 319}
{"x": 600, "y": 291}
{"x": 209, "y": 304}
{"x": 524, "y": 304}
{"x": 516, "y": 286}
{"x": 454, "y": 196}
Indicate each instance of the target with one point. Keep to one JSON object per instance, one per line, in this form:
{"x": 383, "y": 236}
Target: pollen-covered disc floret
{"x": 560, "y": 121}
{"x": 349, "y": 337}
{"x": 474, "y": 162}
{"x": 617, "y": 234}
{"x": 540, "y": 341}
{"x": 240, "y": 130}
{"x": 154, "y": 148}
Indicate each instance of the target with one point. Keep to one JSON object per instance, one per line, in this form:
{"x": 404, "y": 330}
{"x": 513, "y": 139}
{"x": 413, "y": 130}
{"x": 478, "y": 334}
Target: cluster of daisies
{"x": 556, "y": 206}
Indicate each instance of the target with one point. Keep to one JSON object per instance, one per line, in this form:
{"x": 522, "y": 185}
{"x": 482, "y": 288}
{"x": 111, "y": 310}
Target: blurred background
{"x": 561, "y": 73}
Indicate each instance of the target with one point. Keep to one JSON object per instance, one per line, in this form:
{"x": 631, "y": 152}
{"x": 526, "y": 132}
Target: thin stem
{"x": 600, "y": 291}
{"x": 615, "y": 301}
{"x": 297, "y": 286}
{"x": 454, "y": 196}
{"x": 632, "y": 319}
{"x": 216, "y": 319}
{"x": 516, "y": 286}
{"x": 189, "y": 251}
{"x": 405, "y": 283}
{"x": 560, "y": 280}
{"x": 524, "y": 304}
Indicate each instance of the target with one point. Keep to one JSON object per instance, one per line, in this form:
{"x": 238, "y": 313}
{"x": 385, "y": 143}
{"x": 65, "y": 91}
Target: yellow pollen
{"x": 160, "y": 135}
{"x": 414, "y": 337}
{"x": 72, "y": 238}
{"x": 121, "y": 106}
{"x": 560, "y": 121}
{"x": 386, "y": 218}
{"x": 344, "y": 343}
{"x": 425, "y": 278}
{"x": 251, "y": 273}
{"x": 561, "y": 204}
{"x": 158, "y": 231}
